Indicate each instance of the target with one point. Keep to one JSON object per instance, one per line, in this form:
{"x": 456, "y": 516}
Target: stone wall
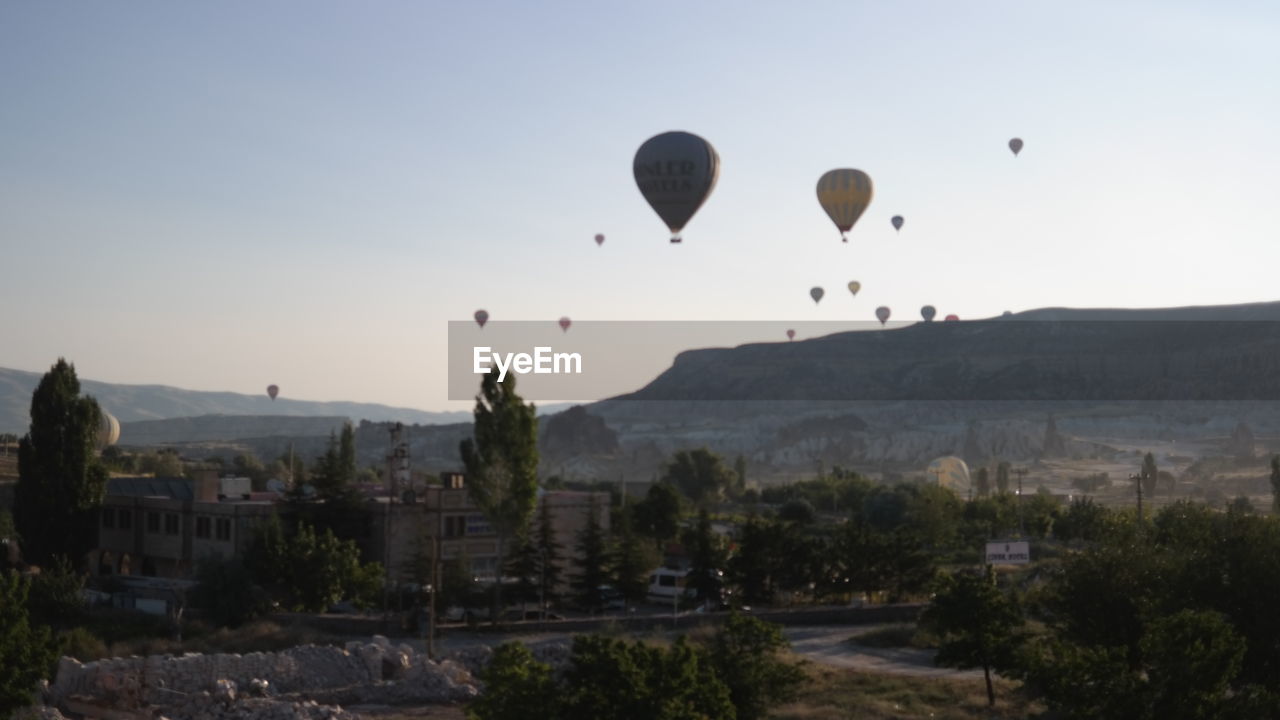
{"x": 308, "y": 681}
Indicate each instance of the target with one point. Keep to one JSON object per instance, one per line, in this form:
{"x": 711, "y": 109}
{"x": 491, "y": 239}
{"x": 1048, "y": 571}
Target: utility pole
{"x": 432, "y": 590}
{"x": 1022, "y": 526}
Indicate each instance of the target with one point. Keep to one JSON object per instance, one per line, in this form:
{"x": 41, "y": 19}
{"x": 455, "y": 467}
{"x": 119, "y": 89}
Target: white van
{"x": 666, "y": 584}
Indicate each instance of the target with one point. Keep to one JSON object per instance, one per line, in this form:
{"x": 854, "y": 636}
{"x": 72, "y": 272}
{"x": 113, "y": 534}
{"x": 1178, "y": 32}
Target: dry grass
{"x": 260, "y": 636}
{"x": 836, "y": 694}
{"x": 906, "y": 635}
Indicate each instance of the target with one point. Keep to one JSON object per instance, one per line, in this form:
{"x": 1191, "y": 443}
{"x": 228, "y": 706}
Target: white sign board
{"x": 1011, "y": 552}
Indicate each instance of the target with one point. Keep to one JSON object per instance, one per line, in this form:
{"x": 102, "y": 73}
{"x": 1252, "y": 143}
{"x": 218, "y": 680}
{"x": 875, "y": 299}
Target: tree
{"x": 746, "y": 656}
{"x": 525, "y": 566}
{"x": 798, "y": 511}
{"x": 548, "y": 557}
{"x": 976, "y": 622}
{"x": 740, "y": 473}
{"x": 610, "y": 678}
{"x": 228, "y": 594}
{"x": 1275, "y": 484}
{"x": 1002, "y": 478}
{"x": 592, "y": 562}
{"x": 60, "y": 481}
{"x": 982, "y": 483}
{"x": 514, "y": 684}
{"x": 658, "y": 515}
{"x": 1149, "y": 475}
{"x": 700, "y": 474}
{"x": 706, "y": 560}
{"x": 26, "y": 653}
{"x": 309, "y": 571}
{"x": 502, "y": 464}
{"x": 346, "y": 466}
{"x": 632, "y": 560}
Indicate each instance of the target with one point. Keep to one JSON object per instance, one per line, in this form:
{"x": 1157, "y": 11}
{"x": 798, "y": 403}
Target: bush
{"x": 27, "y": 653}
{"x": 82, "y": 645}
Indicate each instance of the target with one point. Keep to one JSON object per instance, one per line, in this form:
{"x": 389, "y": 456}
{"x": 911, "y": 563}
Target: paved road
{"x": 829, "y": 645}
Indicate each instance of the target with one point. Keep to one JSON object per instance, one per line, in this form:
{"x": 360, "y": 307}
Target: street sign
{"x": 1008, "y": 552}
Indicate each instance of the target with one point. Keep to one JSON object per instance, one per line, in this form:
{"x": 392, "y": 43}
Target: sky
{"x": 218, "y": 196}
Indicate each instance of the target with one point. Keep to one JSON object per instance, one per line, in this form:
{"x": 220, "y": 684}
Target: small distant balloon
{"x": 565, "y": 323}
{"x": 897, "y": 222}
{"x": 927, "y": 312}
{"x": 273, "y": 391}
{"x": 882, "y": 314}
{"x": 854, "y": 287}
{"x": 599, "y": 239}
{"x": 482, "y": 317}
{"x": 844, "y": 193}
{"x": 1016, "y": 146}
{"x": 953, "y": 318}
{"x": 791, "y": 334}
{"x": 676, "y": 172}
{"x": 816, "y": 293}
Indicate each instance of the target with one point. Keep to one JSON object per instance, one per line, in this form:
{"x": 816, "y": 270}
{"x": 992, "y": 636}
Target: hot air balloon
{"x": 950, "y": 472}
{"x": 676, "y": 172}
{"x": 854, "y": 287}
{"x": 273, "y": 391}
{"x": 882, "y": 314}
{"x": 565, "y": 323}
{"x": 1007, "y": 313}
{"x": 1016, "y": 146}
{"x": 953, "y": 318}
{"x": 816, "y": 293}
{"x": 897, "y": 222}
{"x": 108, "y": 431}
{"x": 927, "y": 312}
{"x": 482, "y": 317}
{"x": 599, "y": 239}
{"x": 844, "y": 193}
{"x": 791, "y": 334}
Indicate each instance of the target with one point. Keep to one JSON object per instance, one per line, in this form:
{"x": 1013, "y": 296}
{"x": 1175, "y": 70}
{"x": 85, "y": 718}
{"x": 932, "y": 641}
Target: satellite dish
{"x": 409, "y": 497}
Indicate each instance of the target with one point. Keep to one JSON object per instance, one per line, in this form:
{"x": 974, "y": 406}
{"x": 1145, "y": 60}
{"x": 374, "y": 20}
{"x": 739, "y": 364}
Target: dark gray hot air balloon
{"x": 882, "y": 314}
{"x": 927, "y": 312}
{"x": 897, "y": 222}
{"x": 676, "y": 172}
{"x": 481, "y": 317}
{"x": 1016, "y": 146}
{"x": 816, "y": 293}
{"x": 273, "y": 391}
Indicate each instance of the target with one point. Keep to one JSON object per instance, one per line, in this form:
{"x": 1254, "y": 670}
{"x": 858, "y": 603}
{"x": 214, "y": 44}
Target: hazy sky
{"x": 219, "y": 196}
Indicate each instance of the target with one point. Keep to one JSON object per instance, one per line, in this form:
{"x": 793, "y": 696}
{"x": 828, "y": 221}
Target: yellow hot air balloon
{"x": 845, "y": 194}
{"x": 854, "y": 287}
{"x": 949, "y": 472}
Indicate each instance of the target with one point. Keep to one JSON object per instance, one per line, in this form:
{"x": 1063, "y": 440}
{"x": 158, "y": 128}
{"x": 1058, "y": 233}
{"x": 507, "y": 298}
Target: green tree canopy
{"x": 60, "y": 481}
{"x": 977, "y": 624}
{"x": 27, "y": 653}
{"x": 502, "y": 463}
{"x": 700, "y": 474}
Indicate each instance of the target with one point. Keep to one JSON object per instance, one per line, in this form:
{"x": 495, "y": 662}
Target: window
{"x": 153, "y": 522}
{"x": 171, "y": 523}
{"x": 108, "y": 517}
{"x": 125, "y": 518}
{"x": 224, "y": 529}
{"x": 202, "y": 527}
{"x": 455, "y": 526}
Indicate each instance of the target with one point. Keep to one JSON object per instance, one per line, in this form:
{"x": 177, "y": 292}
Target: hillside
{"x": 134, "y": 403}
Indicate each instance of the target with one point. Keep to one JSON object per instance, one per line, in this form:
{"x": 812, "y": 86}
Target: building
{"x": 162, "y": 527}
{"x": 444, "y": 516}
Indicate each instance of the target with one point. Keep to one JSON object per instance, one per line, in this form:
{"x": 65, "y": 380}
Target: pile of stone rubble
{"x": 308, "y": 682}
